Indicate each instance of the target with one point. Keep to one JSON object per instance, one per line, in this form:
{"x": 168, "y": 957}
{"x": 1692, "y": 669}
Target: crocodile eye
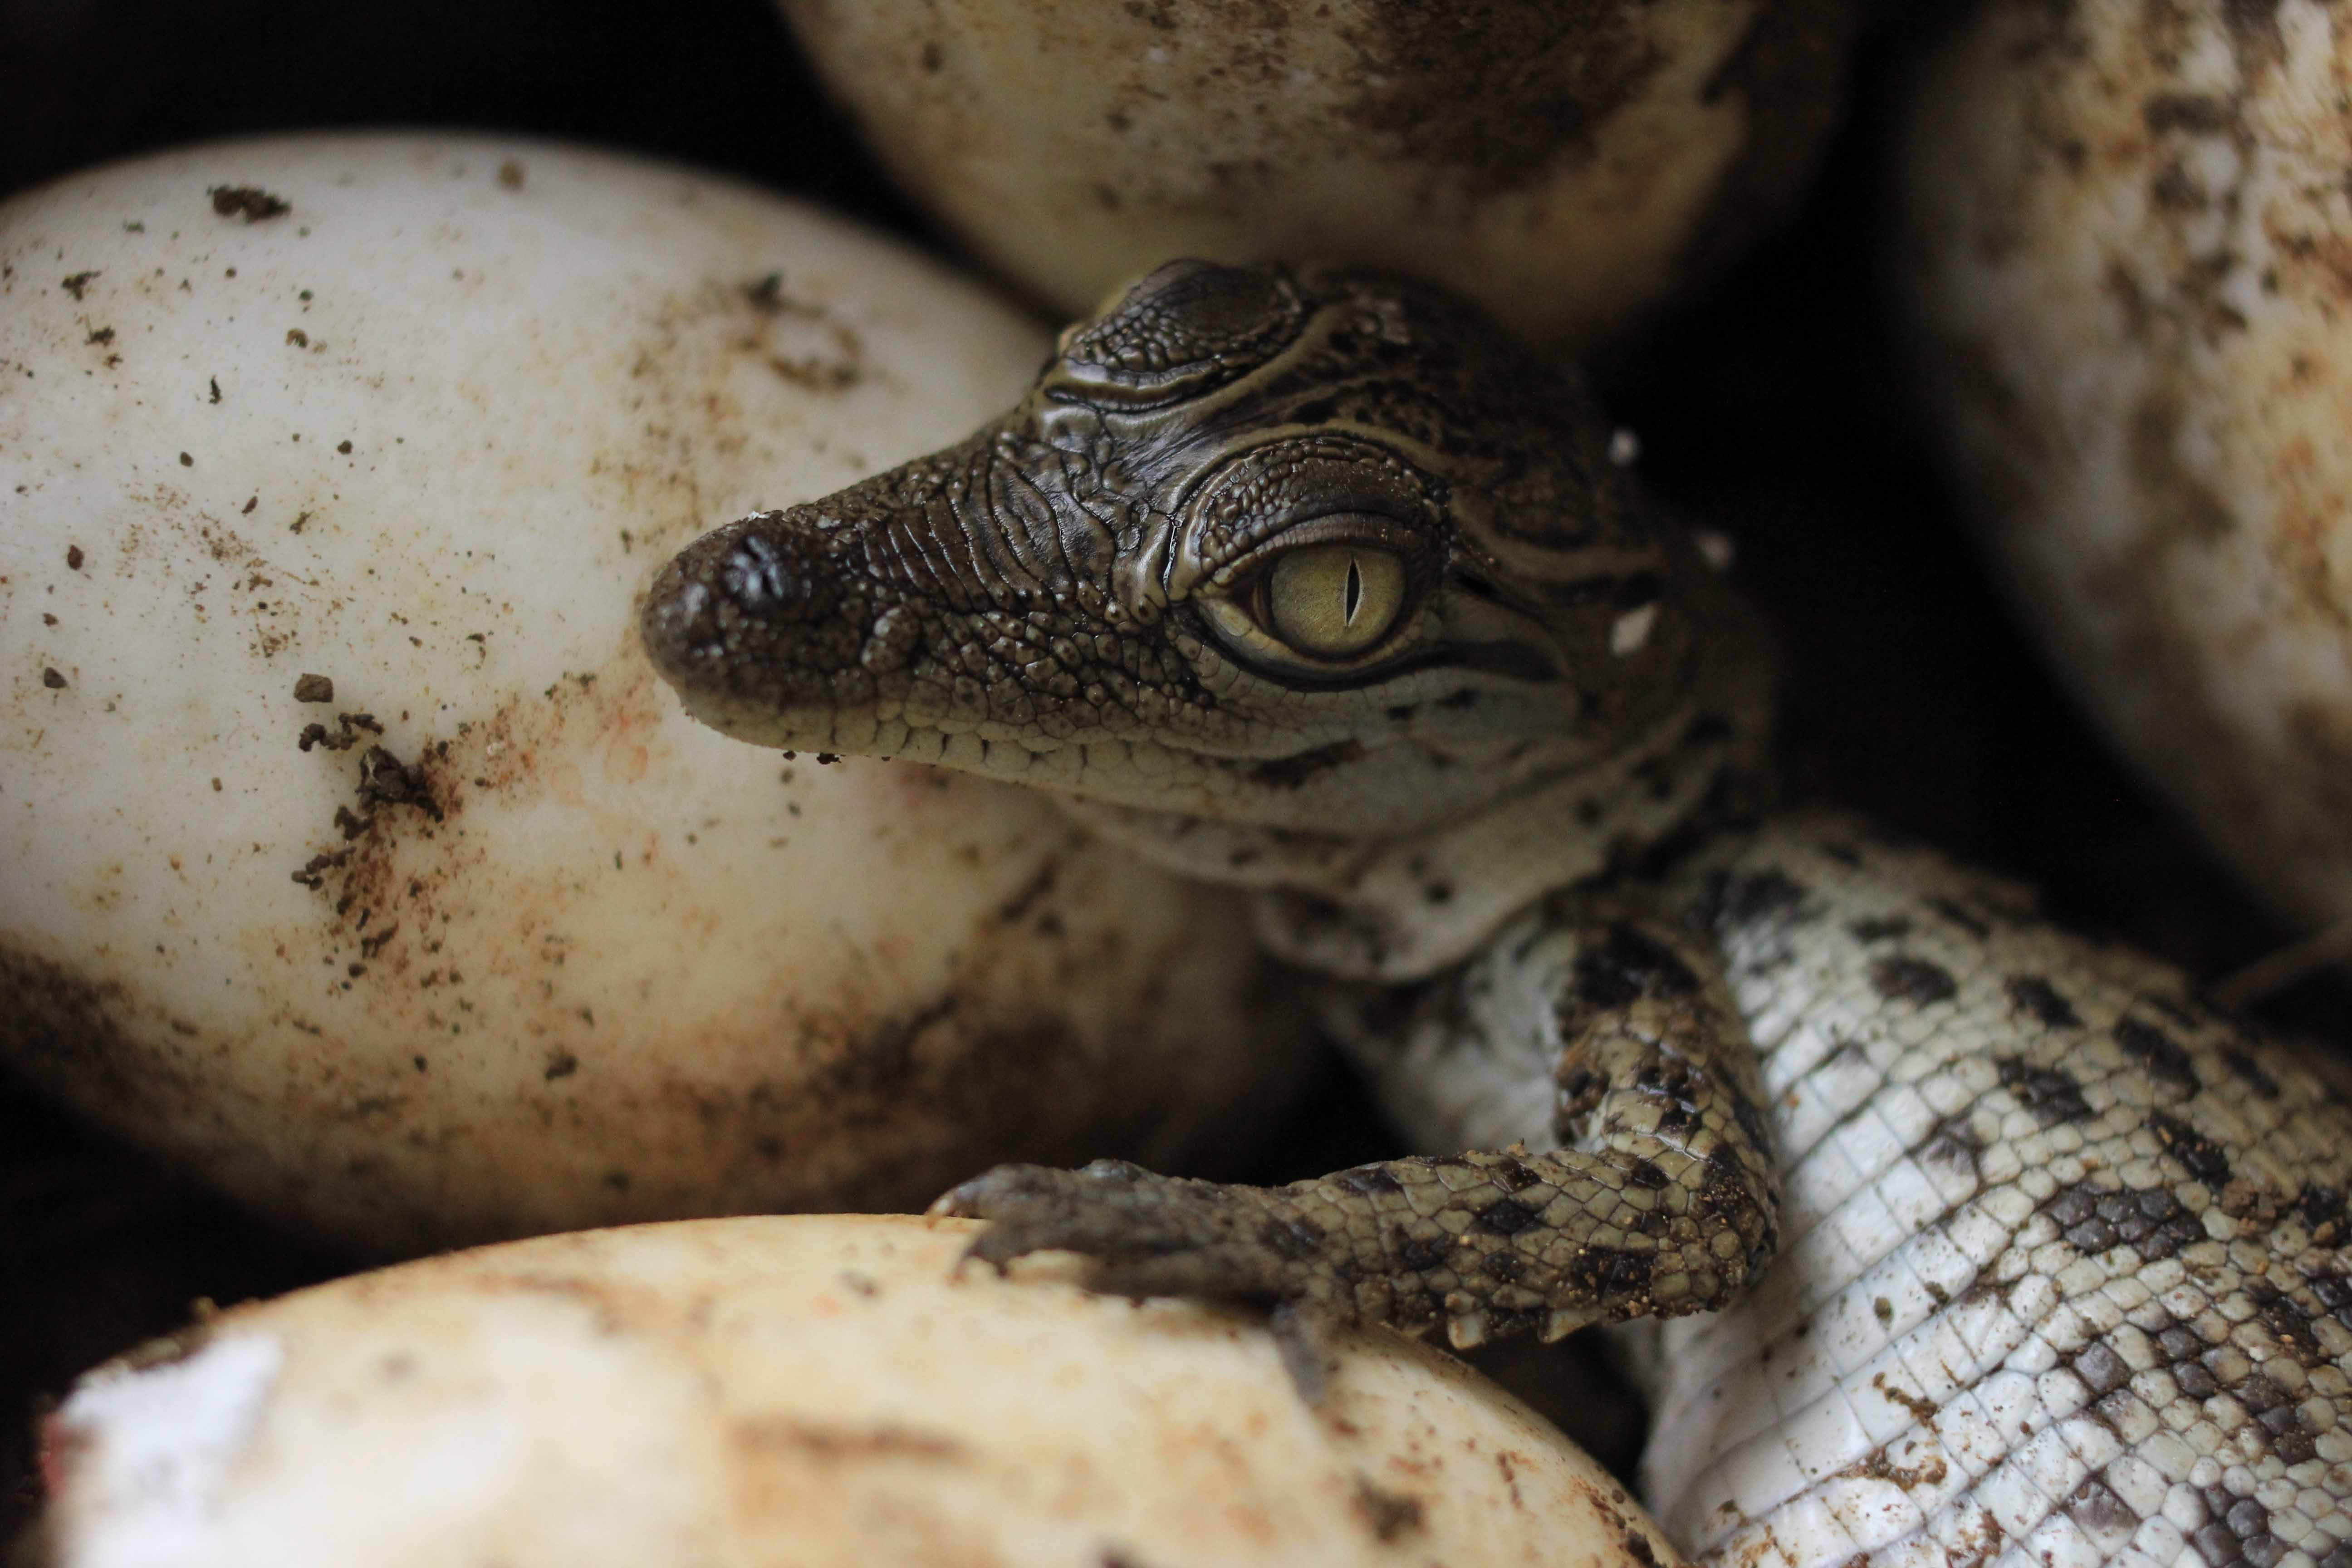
{"x": 1328, "y": 601}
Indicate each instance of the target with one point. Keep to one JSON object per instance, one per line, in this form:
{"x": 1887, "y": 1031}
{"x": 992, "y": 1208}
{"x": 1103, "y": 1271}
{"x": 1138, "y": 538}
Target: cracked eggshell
{"x": 2128, "y": 261}
{"x": 1568, "y": 167}
{"x": 493, "y": 940}
{"x": 810, "y": 1390}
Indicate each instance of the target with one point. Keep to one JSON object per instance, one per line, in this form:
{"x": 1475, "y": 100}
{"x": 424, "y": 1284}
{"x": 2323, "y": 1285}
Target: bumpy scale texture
{"x": 2022, "y": 1257}
{"x": 2063, "y": 1276}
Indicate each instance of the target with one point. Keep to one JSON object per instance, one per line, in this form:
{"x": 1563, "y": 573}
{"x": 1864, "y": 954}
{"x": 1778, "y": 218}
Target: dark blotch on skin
{"x": 2320, "y": 1208}
{"x": 1912, "y": 980}
{"x": 1954, "y": 1144}
{"x": 1961, "y": 917}
{"x": 2250, "y": 1072}
{"x": 2094, "y": 1506}
{"x": 2285, "y": 1318}
{"x": 1612, "y": 1273}
{"x": 1514, "y": 1177}
{"x": 1289, "y": 772}
{"x": 2202, "y": 1157}
{"x": 1627, "y": 964}
{"x": 2049, "y": 1093}
{"x": 2075, "y": 1211}
{"x": 1504, "y": 1216}
{"x": 2240, "y": 1527}
{"x": 2100, "y": 1368}
{"x": 2150, "y": 1219}
{"x": 2040, "y": 1001}
{"x": 1765, "y": 894}
{"x": 1296, "y": 1239}
{"x": 1417, "y": 1255}
{"x": 1751, "y": 1117}
{"x": 1580, "y": 1091}
{"x": 2160, "y": 1053}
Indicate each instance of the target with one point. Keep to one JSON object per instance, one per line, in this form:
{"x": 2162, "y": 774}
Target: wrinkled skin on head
{"x": 1310, "y": 550}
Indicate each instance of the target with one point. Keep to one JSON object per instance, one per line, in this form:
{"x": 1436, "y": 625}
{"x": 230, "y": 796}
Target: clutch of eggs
{"x": 814, "y": 1390}
{"x": 350, "y": 854}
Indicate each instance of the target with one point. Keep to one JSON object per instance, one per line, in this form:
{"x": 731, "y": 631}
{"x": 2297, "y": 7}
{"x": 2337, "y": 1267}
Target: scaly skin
{"x": 1309, "y": 582}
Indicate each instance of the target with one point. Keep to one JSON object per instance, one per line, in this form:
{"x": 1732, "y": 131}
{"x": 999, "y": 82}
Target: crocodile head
{"x": 1314, "y": 549}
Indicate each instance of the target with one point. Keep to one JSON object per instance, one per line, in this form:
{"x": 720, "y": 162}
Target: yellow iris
{"x": 1328, "y": 601}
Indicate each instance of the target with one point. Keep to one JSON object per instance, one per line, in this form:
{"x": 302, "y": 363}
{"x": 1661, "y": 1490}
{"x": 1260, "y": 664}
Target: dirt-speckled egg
{"x": 810, "y": 1390}
{"x": 2128, "y": 259}
{"x": 351, "y": 853}
{"x": 1567, "y": 166}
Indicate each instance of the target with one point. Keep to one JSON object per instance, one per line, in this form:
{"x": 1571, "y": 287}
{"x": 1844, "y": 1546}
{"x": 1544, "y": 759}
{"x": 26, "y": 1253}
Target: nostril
{"x": 755, "y": 576}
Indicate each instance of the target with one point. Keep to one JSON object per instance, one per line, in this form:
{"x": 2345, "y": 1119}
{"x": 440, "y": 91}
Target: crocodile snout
{"x": 755, "y": 618}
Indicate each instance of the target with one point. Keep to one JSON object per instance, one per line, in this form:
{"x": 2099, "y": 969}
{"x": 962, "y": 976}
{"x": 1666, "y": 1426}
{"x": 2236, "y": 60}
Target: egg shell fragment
{"x": 2127, "y": 258}
{"x": 807, "y": 1390}
{"x": 351, "y": 853}
{"x": 1567, "y": 166}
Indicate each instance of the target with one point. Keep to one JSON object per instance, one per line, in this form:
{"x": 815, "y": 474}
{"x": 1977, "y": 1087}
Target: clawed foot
{"x": 1489, "y": 1245}
{"x": 1149, "y": 1234}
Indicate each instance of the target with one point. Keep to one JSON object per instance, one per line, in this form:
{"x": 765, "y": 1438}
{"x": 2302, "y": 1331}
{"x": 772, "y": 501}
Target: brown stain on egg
{"x": 2169, "y": 200}
{"x": 1497, "y": 89}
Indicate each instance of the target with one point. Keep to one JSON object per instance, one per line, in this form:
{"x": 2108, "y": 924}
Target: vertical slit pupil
{"x": 1355, "y": 590}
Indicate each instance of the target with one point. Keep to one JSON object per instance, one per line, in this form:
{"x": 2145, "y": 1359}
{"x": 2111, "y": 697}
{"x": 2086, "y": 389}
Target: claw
{"x": 1299, "y": 1336}
{"x": 956, "y": 1203}
{"x": 1558, "y": 1325}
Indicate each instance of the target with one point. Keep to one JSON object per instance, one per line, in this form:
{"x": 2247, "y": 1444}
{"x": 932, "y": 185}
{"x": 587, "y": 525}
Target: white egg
{"x": 2129, "y": 261}
{"x": 1567, "y": 166}
{"x": 492, "y": 940}
{"x": 812, "y": 1390}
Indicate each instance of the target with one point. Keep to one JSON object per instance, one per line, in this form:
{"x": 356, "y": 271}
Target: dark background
{"x": 1776, "y": 406}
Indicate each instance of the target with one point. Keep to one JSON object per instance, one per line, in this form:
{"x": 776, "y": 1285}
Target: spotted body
{"x": 1308, "y": 581}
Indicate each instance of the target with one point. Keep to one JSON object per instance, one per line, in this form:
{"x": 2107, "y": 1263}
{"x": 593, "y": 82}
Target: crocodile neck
{"x": 1395, "y": 909}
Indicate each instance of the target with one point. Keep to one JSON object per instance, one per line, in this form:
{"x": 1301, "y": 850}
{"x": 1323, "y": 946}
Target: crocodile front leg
{"x": 1661, "y": 1201}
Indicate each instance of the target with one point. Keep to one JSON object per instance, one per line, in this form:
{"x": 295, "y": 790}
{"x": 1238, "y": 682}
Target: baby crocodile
{"x": 1309, "y": 581}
